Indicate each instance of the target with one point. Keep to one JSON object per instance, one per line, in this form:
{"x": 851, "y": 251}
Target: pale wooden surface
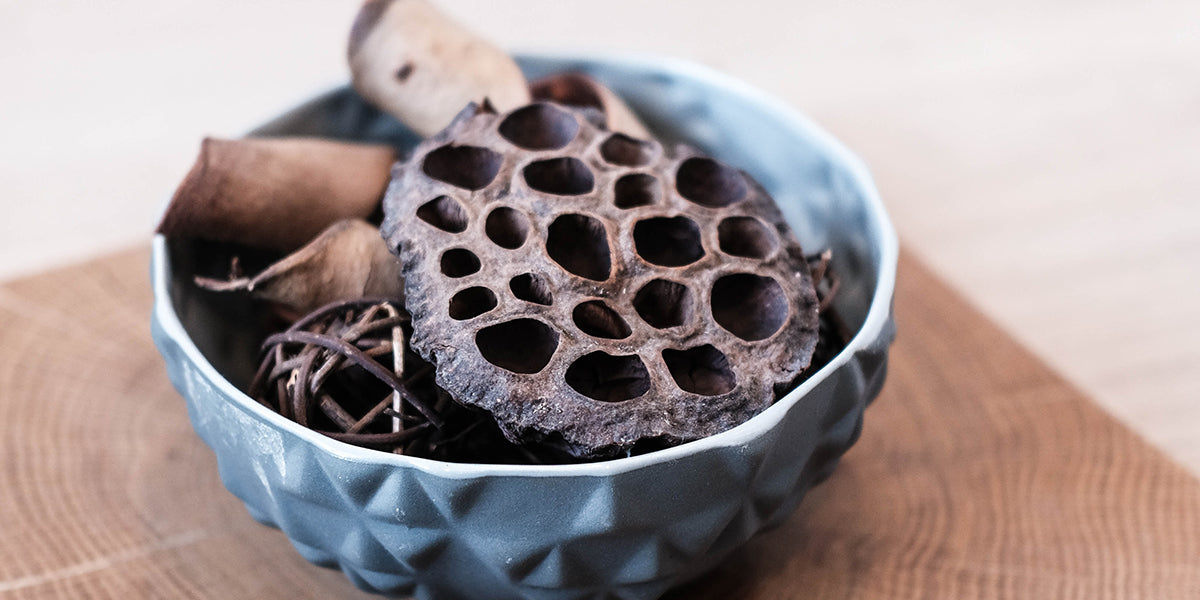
{"x": 1041, "y": 156}
{"x": 980, "y": 474}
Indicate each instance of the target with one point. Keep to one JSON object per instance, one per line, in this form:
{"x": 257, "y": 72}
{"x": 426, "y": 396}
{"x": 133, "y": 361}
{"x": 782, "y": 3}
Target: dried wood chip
{"x": 348, "y": 260}
{"x": 276, "y": 193}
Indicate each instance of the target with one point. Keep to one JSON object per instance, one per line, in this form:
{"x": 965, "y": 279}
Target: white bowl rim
{"x": 876, "y": 318}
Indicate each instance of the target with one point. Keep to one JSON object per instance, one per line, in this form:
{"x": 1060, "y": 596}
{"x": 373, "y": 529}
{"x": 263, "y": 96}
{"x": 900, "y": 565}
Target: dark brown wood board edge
{"x": 980, "y": 473}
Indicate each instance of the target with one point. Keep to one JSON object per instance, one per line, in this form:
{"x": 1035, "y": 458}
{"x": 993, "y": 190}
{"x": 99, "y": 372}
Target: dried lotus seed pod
{"x": 591, "y": 290}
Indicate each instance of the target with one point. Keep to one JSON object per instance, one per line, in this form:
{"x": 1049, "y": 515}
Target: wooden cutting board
{"x": 980, "y": 474}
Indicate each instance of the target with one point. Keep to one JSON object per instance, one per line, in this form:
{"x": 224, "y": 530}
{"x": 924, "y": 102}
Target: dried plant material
{"x": 580, "y": 90}
{"x": 348, "y": 260}
{"x": 346, "y": 371}
{"x": 276, "y": 193}
{"x": 417, "y": 64}
{"x": 835, "y": 334}
{"x": 592, "y": 290}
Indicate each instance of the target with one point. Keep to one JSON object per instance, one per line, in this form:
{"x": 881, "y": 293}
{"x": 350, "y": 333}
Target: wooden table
{"x": 980, "y": 474}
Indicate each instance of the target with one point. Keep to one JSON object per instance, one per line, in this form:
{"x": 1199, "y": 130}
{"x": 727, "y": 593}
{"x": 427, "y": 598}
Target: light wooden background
{"x": 1043, "y": 157}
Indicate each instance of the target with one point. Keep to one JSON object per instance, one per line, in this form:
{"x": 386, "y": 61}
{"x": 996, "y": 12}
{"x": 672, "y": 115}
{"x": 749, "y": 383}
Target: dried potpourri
{"x": 276, "y": 193}
{"x": 317, "y": 373}
{"x": 347, "y": 261}
{"x": 345, "y": 370}
{"x": 661, "y": 272}
{"x": 593, "y": 290}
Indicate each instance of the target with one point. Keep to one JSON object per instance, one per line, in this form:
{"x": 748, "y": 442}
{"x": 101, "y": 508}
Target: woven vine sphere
{"x": 592, "y": 290}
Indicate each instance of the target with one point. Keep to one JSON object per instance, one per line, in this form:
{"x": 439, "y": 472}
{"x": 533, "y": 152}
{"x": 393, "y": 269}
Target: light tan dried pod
{"x": 419, "y": 65}
{"x": 348, "y": 260}
{"x": 276, "y": 193}
{"x": 580, "y": 90}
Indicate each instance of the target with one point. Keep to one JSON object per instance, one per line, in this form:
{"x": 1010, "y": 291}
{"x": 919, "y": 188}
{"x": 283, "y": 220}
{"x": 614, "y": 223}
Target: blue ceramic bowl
{"x": 627, "y": 528}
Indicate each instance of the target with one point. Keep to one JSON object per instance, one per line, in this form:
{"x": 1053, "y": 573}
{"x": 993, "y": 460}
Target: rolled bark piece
{"x": 417, "y": 64}
{"x": 578, "y": 89}
{"x": 346, "y": 261}
{"x": 276, "y": 193}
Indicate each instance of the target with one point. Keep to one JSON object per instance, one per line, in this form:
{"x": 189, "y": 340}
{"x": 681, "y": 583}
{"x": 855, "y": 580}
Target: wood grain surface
{"x": 980, "y": 474}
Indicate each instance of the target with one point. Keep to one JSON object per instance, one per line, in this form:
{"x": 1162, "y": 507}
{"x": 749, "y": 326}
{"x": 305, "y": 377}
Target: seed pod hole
{"x": 701, "y": 370}
{"x": 622, "y": 150}
{"x": 749, "y": 306}
{"x": 459, "y": 262}
{"x": 445, "y": 213}
{"x": 710, "y": 183}
{"x": 607, "y": 378}
{"x": 662, "y": 304}
{"x": 471, "y": 302}
{"x": 468, "y": 167}
{"x": 539, "y": 127}
{"x": 745, "y": 236}
{"x": 636, "y": 189}
{"x": 507, "y": 227}
{"x": 668, "y": 241}
{"x": 597, "y": 319}
{"x": 520, "y": 345}
{"x": 566, "y": 176}
{"x": 579, "y": 244}
{"x": 531, "y": 287}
